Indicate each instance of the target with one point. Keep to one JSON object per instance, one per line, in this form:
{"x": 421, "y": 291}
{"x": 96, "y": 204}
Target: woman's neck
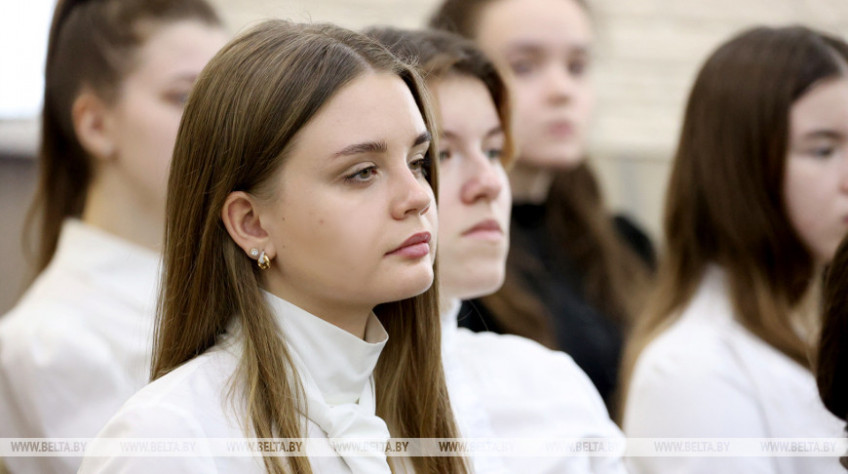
{"x": 351, "y": 318}
{"x": 447, "y": 303}
{"x": 530, "y": 184}
{"x": 112, "y": 209}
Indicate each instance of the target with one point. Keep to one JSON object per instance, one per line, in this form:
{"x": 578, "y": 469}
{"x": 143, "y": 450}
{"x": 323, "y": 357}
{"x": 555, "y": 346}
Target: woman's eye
{"x": 444, "y": 155}
{"x": 177, "y": 98}
{"x": 823, "y": 152}
{"x": 522, "y": 67}
{"x": 363, "y": 175}
{"x": 419, "y": 165}
{"x": 576, "y": 68}
{"x": 494, "y": 153}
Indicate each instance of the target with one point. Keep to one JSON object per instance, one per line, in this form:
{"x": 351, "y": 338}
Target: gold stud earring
{"x": 264, "y": 262}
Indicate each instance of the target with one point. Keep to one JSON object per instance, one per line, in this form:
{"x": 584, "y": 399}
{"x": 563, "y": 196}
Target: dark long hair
{"x": 832, "y": 358}
{"x": 725, "y": 203}
{"x": 91, "y": 45}
{"x": 613, "y": 277}
{"x": 237, "y": 130}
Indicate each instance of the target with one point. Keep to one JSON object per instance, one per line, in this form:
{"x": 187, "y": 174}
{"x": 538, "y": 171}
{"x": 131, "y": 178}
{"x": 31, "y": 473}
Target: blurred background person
{"x": 500, "y": 386}
{"x": 576, "y": 274}
{"x": 757, "y": 205}
{"x": 77, "y": 344}
{"x": 832, "y": 359}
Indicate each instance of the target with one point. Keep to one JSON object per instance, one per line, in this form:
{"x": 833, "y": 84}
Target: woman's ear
{"x": 241, "y": 217}
{"x": 92, "y": 124}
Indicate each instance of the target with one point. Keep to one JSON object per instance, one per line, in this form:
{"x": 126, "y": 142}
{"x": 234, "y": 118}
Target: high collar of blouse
{"x": 127, "y": 270}
{"x": 339, "y": 363}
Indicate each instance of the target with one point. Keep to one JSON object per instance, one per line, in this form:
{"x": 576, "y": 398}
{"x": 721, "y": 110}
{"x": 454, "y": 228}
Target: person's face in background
{"x": 474, "y": 195}
{"x": 352, "y": 221}
{"x": 816, "y": 177}
{"x": 144, "y": 119}
{"x": 543, "y": 48}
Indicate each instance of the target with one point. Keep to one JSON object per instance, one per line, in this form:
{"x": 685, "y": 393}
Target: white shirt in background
{"x": 193, "y": 401}
{"x": 77, "y": 344}
{"x": 504, "y": 386}
{"x": 707, "y": 376}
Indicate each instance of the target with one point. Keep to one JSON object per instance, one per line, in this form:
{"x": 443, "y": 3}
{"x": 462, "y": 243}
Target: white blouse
{"x": 504, "y": 386}
{"x": 77, "y": 344}
{"x": 193, "y": 401}
{"x": 707, "y": 376}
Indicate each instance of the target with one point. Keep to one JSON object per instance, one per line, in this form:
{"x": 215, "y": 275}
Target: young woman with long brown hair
{"x": 574, "y": 274}
{"x": 298, "y": 298}
{"x": 77, "y": 344}
{"x": 500, "y": 385}
{"x": 757, "y": 205}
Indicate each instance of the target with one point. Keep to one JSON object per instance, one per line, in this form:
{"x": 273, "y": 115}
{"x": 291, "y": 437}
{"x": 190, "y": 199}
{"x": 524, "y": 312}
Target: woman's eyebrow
{"x": 824, "y": 133}
{"x": 365, "y": 147}
{"x": 423, "y": 137}
{"x": 378, "y": 147}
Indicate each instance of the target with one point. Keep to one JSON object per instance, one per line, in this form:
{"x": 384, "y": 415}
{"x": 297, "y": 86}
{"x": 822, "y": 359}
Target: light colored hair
{"x": 237, "y": 130}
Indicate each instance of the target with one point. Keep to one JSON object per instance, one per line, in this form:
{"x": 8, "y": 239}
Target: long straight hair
{"x": 237, "y": 130}
{"x": 613, "y": 277}
{"x": 91, "y": 45}
{"x": 725, "y": 203}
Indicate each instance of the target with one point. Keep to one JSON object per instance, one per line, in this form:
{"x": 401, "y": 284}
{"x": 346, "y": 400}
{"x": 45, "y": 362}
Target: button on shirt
{"x": 708, "y": 376}
{"x": 77, "y": 344}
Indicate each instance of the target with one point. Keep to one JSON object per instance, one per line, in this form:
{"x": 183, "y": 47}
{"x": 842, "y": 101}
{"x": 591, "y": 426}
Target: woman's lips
{"x": 561, "y": 128}
{"x": 488, "y": 229}
{"x": 416, "y": 246}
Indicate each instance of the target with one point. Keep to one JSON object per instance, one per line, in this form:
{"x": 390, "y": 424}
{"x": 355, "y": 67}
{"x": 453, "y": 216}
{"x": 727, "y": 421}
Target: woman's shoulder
{"x": 527, "y": 370}
{"x": 694, "y": 362}
{"x": 60, "y": 329}
{"x": 156, "y": 420}
{"x": 193, "y": 387}
{"x": 47, "y": 336}
{"x": 67, "y": 296}
{"x": 698, "y": 340}
{"x": 506, "y": 349}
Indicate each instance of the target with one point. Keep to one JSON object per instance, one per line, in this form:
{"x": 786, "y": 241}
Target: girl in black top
{"x": 575, "y": 274}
